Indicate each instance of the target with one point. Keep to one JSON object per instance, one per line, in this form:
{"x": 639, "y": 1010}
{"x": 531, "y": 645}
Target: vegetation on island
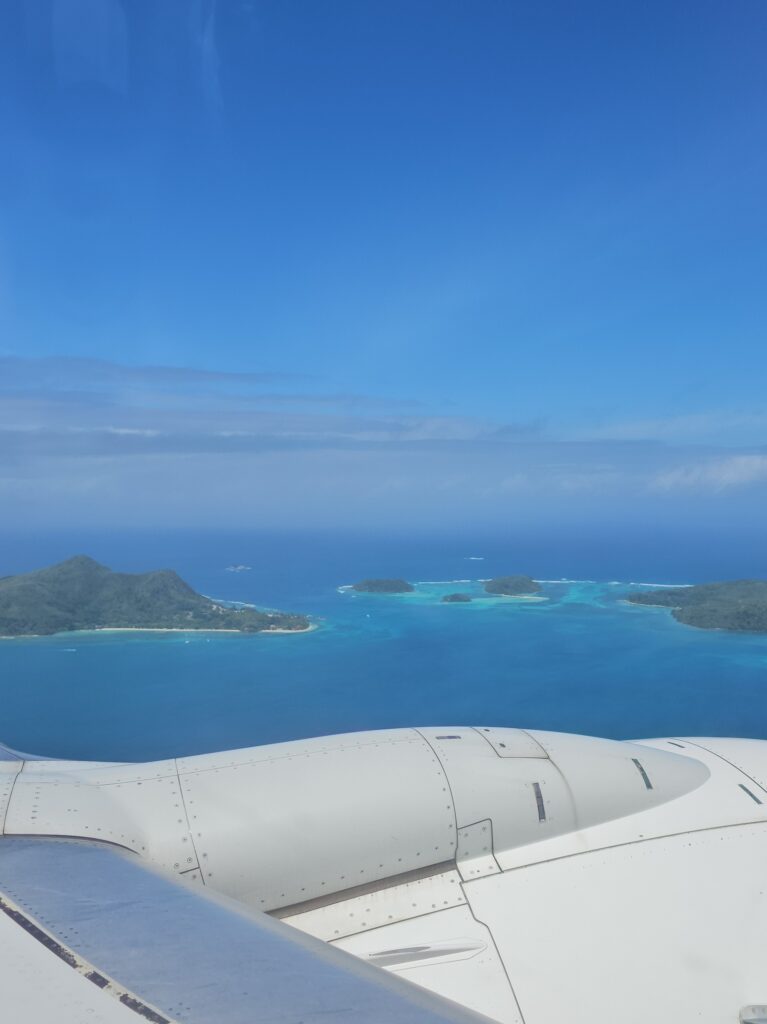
{"x": 512, "y": 586}
{"x": 82, "y": 594}
{"x": 738, "y": 605}
{"x": 393, "y": 586}
{"x": 456, "y": 598}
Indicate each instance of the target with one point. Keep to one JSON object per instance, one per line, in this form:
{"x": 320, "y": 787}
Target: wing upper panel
{"x": 178, "y": 955}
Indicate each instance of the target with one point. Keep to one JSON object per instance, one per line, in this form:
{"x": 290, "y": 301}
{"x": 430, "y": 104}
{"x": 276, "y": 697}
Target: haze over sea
{"x": 581, "y": 661}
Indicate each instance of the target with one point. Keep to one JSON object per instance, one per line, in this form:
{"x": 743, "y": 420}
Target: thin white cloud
{"x": 182, "y": 445}
{"x": 89, "y": 382}
{"x": 715, "y": 474}
{"x": 714, "y": 427}
{"x": 59, "y": 373}
{"x": 133, "y": 431}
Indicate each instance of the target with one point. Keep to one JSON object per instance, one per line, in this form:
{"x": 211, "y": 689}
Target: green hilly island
{"x": 383, "y": 586}
{"x": 512, "y": 586}
{"x": 737, "y": 605}
{"x": 82, "y": 594}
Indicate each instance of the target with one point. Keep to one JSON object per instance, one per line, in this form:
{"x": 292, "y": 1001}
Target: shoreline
{"x": 645, "y": 604}
{"x": 152, "y": 629}
{"x": 307, "y": 629}
{"x": 146, "y": 629}
{"x": 484, "y": 596}
{"x": 343, "y": 588}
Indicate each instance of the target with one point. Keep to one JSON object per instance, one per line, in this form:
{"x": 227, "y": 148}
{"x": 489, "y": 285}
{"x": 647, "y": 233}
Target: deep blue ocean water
{"x": 582, "y": 660}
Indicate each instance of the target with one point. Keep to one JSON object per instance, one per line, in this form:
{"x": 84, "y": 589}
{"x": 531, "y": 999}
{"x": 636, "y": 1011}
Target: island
{"x": 393, "y": 586}
{"x": 456, "y": 599}
{"x": 739, "y": 606}
{"x": 512, "y": 586}
{"x": 81, "y": 594}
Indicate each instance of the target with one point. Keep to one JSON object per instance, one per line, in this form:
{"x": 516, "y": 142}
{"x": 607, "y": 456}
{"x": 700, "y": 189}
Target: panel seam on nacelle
{"x": 449, "y": 789}
{"x": 188, "y": 825}
{"x": 469, "y": 825}
{"x": 537, "y": 743}
{"x": 478, "y": 731}
{"x": 221, "y": 766}
{"x": 568, "y": 788}
{"x": 543, "y": 756}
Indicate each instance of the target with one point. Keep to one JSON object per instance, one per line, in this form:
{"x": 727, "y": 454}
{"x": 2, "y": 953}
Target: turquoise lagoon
{"x": 581, "y": 660}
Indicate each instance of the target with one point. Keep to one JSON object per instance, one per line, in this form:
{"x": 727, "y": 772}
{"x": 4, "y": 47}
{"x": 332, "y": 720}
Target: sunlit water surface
{"x": 581, "y": 660}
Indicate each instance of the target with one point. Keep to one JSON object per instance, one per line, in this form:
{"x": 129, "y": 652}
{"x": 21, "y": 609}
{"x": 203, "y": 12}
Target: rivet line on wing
{"x": 87, "y": 970}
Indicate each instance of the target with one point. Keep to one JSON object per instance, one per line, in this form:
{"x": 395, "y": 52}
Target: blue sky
{"x": 504, "y": 259}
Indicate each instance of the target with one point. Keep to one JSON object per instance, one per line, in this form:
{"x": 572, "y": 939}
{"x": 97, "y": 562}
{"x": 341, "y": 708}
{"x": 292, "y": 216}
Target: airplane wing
{"x": 530, "y": 877}
{"x": 91, "y": 933}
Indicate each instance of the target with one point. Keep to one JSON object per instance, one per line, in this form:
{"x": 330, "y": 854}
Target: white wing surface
{"x": 530, "y": 877}
{"x": 90, "y": 933}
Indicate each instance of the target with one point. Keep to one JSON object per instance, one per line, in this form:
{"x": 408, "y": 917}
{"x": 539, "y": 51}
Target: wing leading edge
{"x": 155, "y": 950}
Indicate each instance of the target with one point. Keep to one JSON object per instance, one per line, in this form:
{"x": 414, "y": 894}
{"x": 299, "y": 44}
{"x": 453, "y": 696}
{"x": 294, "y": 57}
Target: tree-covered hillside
{"x": 738, "y": 605}
{"x": 512, "y": 586}
{"x": 384, "y": 586}
{"x": 81, "y": 594}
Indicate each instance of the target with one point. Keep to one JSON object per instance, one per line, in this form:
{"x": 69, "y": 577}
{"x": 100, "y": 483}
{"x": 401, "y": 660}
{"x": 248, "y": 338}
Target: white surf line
{"x": 438, "y": 583}
{"x": 227, "y": 602}
{"x": 668, "y": 586}
{"x": 562, "y": 579}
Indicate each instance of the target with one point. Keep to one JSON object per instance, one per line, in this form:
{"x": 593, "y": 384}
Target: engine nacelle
{"x": 282, "y": 825}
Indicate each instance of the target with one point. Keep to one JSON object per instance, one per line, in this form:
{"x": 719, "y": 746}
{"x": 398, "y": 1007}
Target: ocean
{"x": 582, "y": 660}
